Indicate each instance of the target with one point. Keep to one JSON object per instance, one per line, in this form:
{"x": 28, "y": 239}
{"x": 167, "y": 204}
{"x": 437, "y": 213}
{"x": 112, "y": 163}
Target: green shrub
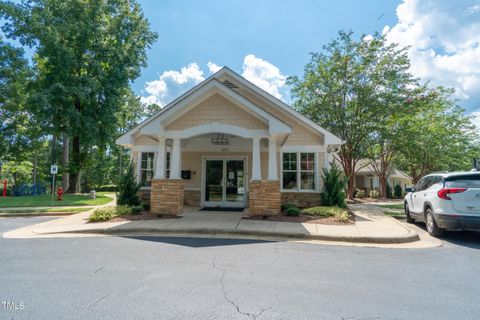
{"x": 397, "y": 191}
{"x": 102, "y": 214}
{"x": 146, "y": 206}
{"x": 374, "y": 194}
{"x": 137, "y": 209}
{"x": 128, "y": 188}
{"x": 292, "y": 210}
{"x": 108, "y": 213}
{"x": 108, "y": 188}
{"x": 288, "y": 205}
{"x": 121, "y": 210}
{"x": 360, "y": 193}
{"x": 340, "y": 214}
{"x": 389, "y": 192}
{"x": 333, "y": 193}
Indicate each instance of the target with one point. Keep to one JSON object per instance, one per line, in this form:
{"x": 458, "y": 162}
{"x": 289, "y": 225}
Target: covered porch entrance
{"x": 224, "y": 182}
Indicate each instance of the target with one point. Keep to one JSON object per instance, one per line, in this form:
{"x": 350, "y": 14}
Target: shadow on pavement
{"x": 470, "y": 239}
{"x": 197, "y": 242}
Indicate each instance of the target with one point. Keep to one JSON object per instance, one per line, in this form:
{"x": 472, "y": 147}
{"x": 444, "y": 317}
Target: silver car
{"x": 445, "y": 201}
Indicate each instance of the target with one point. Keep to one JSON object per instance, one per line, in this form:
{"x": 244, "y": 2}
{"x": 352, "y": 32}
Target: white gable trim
{"x": 330, "y": 138}
{"x": 154, "y": 125}
{"x": 275, "y": 125}
{"x": 216, "y": 127}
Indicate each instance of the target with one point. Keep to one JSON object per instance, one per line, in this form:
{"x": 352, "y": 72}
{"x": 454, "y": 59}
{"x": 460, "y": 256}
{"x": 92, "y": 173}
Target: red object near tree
{"x": 59, "y": 193}
{"x": 4, "y": 194}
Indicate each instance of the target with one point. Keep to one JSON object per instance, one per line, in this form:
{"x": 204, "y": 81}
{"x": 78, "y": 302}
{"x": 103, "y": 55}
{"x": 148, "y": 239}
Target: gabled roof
{"x": 226, "y": 88}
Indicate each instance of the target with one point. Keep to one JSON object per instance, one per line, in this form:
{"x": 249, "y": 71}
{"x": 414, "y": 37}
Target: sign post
{"x": 53, "y": 171}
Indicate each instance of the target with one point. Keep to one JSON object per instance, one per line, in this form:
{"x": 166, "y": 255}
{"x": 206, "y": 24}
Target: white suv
{"x": 445, "y": 201}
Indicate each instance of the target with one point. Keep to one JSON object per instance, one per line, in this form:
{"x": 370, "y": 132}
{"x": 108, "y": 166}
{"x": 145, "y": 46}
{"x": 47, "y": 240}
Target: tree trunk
{"x": 120, "y": 165}
{"x": 74, "y": 186}
{"x": 54, "y": 149}
{"x": 348, "y": 164}
{"x": 35, "y": 165}
{"x": 65, "y": 154}
{"x": 382, "y": 179}
{"x": 351, "y": 185}
{"x": 14, "y": 176}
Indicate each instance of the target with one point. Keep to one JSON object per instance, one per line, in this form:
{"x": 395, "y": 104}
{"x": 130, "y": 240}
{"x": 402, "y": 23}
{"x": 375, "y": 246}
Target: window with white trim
{"x": 147, "y": 168}
{"x": 167, "y": 165}
{"x": 298, "y": 171}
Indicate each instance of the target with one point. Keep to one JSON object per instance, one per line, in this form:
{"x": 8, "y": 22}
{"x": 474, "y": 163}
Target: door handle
{"x": 424, "y": 194}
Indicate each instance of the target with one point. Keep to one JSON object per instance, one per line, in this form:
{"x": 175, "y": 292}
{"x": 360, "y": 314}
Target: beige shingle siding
{"x": 217, "y": 109}
{"x": 300, "y": 134}
{"x": 144, "y": 140}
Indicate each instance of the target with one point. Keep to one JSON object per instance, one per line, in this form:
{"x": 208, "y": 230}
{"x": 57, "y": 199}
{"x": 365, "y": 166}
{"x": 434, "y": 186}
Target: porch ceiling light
{"x": 220, "y": 140}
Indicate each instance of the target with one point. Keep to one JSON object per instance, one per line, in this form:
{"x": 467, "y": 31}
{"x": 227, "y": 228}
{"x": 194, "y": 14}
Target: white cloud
{"x": 265, "y": 75}
{"x": 444, "y": 42}
{"x": 172, "y": 84}
{"x": 213, "y": 67}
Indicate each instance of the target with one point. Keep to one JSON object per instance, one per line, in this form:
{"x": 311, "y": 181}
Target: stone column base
{"x": 264, "y": 198}
{"x": 166, "y": 196}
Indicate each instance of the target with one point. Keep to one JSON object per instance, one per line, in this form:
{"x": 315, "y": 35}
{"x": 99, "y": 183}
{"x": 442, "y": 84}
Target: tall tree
{"x": 15, "y": 120}
{"x": 438, "y": 136}
{"x": 87, "y": 53}
{"x": 343, "y": 89}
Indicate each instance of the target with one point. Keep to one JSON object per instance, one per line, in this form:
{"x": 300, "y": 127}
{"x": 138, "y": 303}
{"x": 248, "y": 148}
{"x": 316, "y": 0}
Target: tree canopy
{"x": 86, "y": 54}
{"x": 362, "y": 91}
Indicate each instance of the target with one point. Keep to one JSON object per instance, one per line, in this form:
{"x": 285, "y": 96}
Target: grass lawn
{"x": 391, "y": 206}
{"x": 42, "y": 210}
{"x": 395, "y": 214}
{"x": 45, "y": 201}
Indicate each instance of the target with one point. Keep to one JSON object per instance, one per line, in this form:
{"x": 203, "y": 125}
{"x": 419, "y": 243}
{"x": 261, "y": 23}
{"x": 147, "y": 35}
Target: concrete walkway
{"x": 371, "y": 226}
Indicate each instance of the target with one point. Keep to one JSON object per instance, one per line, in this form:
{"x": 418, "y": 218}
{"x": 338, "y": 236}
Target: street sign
{"x": 53, "y": 171}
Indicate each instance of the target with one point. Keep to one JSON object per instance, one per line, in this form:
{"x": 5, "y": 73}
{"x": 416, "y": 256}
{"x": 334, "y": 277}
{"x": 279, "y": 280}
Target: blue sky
{"x": 267, "y": 40}
{"x": 281, "y": 32}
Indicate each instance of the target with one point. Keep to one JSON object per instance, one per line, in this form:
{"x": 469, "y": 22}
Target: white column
{"x": 327, "y": 159}
{"x": 272, "y": 158}
{"x": 256, "y": 171}
{"x": 160, "y": 163}
{"x": 176, "y": 159}
{"x": 139, "y": 166}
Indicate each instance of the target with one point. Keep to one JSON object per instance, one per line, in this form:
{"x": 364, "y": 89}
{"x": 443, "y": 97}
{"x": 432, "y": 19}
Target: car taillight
{"x": 443, "y": 193}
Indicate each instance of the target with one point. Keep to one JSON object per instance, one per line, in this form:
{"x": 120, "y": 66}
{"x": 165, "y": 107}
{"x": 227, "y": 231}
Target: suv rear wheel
{"x": 432, "y": 227}
{"x": 407, "y": 214}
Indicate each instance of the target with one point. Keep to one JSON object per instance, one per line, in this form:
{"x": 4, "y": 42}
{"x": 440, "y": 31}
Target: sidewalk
{"x": 371, "y": 226}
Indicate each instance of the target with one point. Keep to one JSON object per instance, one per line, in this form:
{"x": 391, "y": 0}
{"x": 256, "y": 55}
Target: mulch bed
{"x": 145, "y": 215}
{"x": 305, "y": 219}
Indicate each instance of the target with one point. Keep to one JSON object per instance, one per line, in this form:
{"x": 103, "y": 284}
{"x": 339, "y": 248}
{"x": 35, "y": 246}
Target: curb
{"x": 410, "y": 237}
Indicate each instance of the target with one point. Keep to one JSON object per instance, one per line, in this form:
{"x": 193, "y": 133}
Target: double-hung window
{"x": 298, "y": 171}
{"x": 147, "y": 168}
{"x": 167, "y": 166}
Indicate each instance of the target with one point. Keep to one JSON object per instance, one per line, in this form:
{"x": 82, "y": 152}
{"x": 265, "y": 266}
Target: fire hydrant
{"x": 59, "y": 193}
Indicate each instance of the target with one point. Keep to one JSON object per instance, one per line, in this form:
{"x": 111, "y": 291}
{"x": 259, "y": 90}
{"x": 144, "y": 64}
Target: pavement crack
{"x": 254, "y": 316}
{"x": 99, "y": 269}
{"x": 99, "y": 299}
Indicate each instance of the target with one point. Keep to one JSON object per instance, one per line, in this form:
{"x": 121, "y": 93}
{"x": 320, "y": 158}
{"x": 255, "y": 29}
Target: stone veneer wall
{"x": 264, "y": 198}
{"x": 167, "y": 196}
{"x": 302, "y": 199}
{"x": 192, "y": 198}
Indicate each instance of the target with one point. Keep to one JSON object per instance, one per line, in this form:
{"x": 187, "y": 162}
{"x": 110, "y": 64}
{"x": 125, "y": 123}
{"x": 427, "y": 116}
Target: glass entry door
{"x": 224, "y": 183}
